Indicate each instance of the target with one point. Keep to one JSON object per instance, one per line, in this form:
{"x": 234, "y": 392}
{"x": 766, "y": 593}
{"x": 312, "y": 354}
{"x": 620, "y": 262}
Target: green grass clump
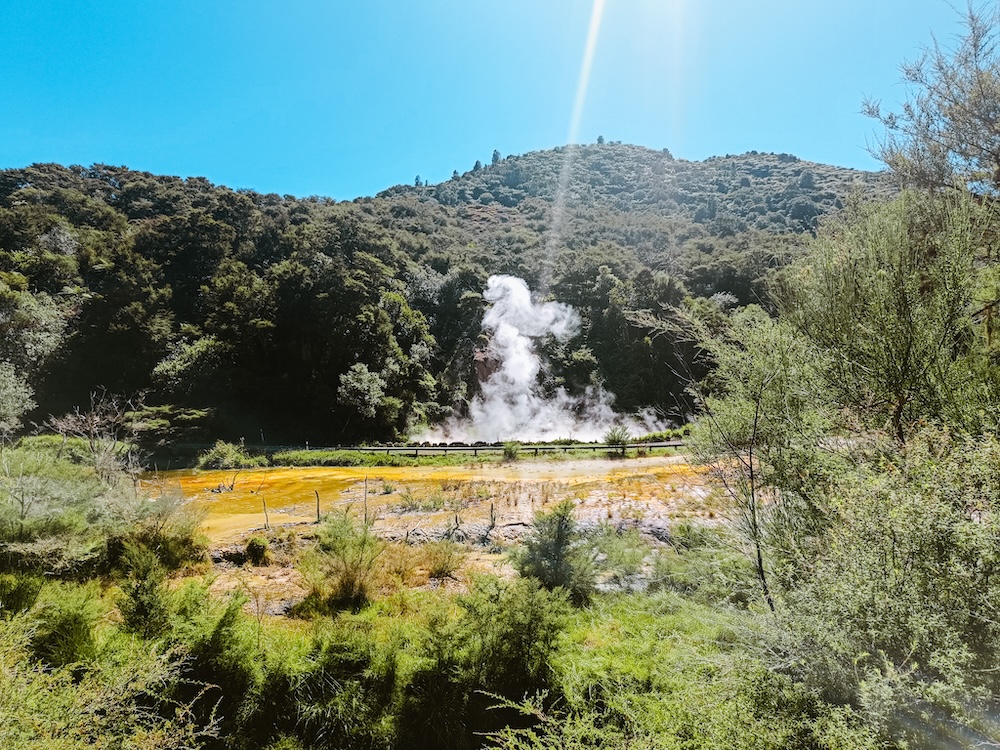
{"x": 64, "y": 626}
{"x": 18, "y": 593}
{"x": 340, "y": 458}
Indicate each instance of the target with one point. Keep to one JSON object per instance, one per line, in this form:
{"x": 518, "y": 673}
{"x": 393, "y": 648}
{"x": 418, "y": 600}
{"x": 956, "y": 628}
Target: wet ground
{"x": 424, "y": 502}
{"x": 485, "y": 506}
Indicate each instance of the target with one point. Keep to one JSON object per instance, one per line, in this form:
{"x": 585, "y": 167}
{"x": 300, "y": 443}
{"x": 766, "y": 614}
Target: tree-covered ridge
{"x": 769, "y": 192}
{"x": 287, "y": 319}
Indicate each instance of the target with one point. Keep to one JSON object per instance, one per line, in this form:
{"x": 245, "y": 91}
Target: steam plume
{"x": 511, "y": 405}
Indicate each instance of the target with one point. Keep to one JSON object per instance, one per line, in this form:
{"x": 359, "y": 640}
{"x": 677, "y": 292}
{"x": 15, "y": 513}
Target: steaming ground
{"x": 511, "y": 404}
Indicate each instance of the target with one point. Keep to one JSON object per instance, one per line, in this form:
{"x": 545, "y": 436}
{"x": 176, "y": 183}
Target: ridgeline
{"x": 290, "y": 319}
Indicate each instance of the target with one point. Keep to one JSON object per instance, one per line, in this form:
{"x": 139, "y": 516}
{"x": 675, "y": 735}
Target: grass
{"x": 426, "y": 457}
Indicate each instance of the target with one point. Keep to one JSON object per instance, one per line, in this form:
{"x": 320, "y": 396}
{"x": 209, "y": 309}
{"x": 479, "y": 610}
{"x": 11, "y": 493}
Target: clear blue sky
{"x": 345, "y": 98}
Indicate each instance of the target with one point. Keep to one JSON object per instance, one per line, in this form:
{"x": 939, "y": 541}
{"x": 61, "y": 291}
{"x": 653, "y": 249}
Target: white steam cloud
{"x": 511, "y": 404}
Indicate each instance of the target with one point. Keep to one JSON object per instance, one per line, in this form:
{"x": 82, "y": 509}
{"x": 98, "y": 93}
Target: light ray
{"x": 565, "y": 173}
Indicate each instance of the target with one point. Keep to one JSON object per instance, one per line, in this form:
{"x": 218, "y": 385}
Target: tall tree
{"x": 886, "y": 294}
{"x": 946, "y": 132}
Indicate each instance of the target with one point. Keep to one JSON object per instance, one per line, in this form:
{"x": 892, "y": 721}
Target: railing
{"x": 429, "y": 449}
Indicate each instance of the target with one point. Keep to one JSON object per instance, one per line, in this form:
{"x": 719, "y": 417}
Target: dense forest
{"x": 278, "y": 319}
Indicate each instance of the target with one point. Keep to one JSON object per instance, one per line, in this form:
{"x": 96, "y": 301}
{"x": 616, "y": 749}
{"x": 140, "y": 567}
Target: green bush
{"x": 256, "y": 550}
{"x": 620, "y": 552}
{"x": 144, "y": 604}
{"x": 443, "y": 558}
{"x": 510, "y": 630}
{"x": 511, "y": 450}
{"x": 221, "y": 665}
{"x": 163, "y": 526}
{"x": 64, "y": 627}
{"x": 225, "y": 455}
{"x": 18, "y": 593}
{"x": 618, "y": 437}
{"x": 555, "y": 553}
{"x": 71, "y": 449}
{"x": 349, "y": 553}
{"x": 340, "y": 458}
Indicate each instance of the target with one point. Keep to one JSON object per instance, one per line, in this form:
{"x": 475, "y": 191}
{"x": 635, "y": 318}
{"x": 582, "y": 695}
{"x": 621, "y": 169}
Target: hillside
{"x": 289, "y": 319}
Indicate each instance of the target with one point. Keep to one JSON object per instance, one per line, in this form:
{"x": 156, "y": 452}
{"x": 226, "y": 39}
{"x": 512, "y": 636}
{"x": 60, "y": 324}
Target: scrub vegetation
{"x": 846, "y": 596}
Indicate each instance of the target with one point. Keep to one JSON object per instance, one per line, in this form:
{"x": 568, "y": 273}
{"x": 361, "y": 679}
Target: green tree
{"x": 15, "y": 401}
{"x": 945, "y": 133}
{"x": 764, "y": 412}
{"x": 555, "y": 553}
{"x": 886, "y": 294}
{"x": 362, "y": 389}
{"x": 891, "y": 613}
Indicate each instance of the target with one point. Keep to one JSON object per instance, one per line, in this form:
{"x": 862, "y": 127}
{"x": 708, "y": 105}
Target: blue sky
{"x": 339, "y": 98}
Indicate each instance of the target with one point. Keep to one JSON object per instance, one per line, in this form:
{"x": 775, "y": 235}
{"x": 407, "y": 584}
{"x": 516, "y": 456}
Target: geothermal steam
{"x": 511, "y": 405}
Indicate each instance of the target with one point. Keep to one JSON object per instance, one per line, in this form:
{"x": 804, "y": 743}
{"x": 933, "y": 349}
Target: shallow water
{"x": 290, "y": 494}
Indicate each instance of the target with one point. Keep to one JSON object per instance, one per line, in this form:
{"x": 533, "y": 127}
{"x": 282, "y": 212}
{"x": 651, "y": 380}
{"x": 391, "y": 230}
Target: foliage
{"x": 225, "y": 455}
{"x": 349, "y": 551}
{"x": 944, "y": 134}
{"x": 764, "y": 415}
{"x": 340, "y": 458}
{"x": 15, "y": 400}
{"x": 109, "y": 430}
{"x": 511, "y": 631}
{"x": 556, "y": 555}
{"x": 511, "y": 450}
{"x": 257, "y": 549}
{"x": 18, "y": 593}
{"x": 144, "y": 607}
{"x": 117, "y": 700}
{"x": 59, "y": 519}
{"x": 305, "y": 319}
{"x": 885, "y": 296}
{"x": 620, "y": 552}
{"x": 443, "y": 558}
{"x": 64, "y": 629}
{"x": 618, "y": 437}
{"x": 913, "y": 631}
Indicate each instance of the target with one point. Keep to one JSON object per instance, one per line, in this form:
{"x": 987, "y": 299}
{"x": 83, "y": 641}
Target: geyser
{"x": 511, "y": 404}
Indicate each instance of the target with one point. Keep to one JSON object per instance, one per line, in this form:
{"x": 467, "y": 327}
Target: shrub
{"x": 554, "y": 553}
{"x": 18, "y": 593}
{"x": 511, "y": 450}
{"x": 340, "y": 458}
{"x": 144, "y": 606}
{"x": 256, "y": 550}
{"x": 349, "y": 554}
{"x": 622, "y": 552}
{"x": 511, "y": 629}
{"x": 618, "y": 437}
{"x": 225, "y": 455}
{"x": 64, "y": 631}
{"x": 164, "y": 527}
{"x": 222, "y": 666}
{"x": 443, "y": 558}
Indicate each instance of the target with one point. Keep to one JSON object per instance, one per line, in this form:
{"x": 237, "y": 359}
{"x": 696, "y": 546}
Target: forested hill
{"x": 288, "y": 319}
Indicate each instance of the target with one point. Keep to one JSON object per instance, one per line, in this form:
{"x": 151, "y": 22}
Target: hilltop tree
{"x": 946, "y": 132}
